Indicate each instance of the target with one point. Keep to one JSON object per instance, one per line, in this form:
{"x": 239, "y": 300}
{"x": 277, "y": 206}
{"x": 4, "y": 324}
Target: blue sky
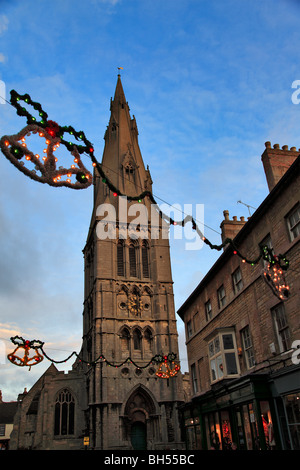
{"x": 209, "y": 82}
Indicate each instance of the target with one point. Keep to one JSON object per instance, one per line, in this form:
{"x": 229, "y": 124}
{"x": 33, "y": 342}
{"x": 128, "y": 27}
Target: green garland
{"x": 37, "y": 344}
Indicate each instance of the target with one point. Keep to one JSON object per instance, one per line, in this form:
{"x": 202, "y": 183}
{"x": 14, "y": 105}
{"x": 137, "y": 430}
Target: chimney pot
{"x": 285, "y": 147}
{"x": 276, "y": 146}
{"x": 226, "y": 215}
{"x": 268, "y": 144}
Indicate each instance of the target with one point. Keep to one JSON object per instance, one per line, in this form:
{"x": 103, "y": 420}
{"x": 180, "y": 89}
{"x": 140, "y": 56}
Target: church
{"x": 117, "y": 397}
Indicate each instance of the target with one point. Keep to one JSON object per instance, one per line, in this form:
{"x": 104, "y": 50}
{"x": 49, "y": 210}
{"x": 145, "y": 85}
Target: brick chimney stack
{"x": 276, "y": 162}
{"x": 230, "y": 228}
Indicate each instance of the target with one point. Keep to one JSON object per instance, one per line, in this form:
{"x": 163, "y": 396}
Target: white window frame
{"x": 248, "y": 347}
{"x": 221, "y": 297}
{"x": 237, "y": 280}
{"x": 281, "y": 326}
{"x": 189, "y": 328}
{"x": 208, "y": 310}
{"x": 294, "y": 225}
{"x": 218, "y": 355}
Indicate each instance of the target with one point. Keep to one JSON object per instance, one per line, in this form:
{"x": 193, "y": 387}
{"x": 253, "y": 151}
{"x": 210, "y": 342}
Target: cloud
{"x": 3, "y": 23}
{"x": 2, "y": 57}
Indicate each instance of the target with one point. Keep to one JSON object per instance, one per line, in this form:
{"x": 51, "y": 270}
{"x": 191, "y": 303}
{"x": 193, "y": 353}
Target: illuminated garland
{"x": 45, "y": 169}
{"x": 164, "y": 370}
{"x": 274, "y": 275}
{"x": 57, "y": 133}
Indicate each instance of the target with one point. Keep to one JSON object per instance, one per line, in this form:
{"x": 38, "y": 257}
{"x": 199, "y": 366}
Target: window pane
{"x": 217, "y": 344}
{"x": 219, "y": 366}
{"x": 294, "y": 223}
{"x": 71, "y": 418}
{"x": 57, "y": 419}
{"x": 211, "y": 349}
{"x": 292, "y": 404}
{"x": 231, "y": 365}
{"x": 213, "y": 369}
{"x": 228, "y": 341}
{"x": 64, "y": 417}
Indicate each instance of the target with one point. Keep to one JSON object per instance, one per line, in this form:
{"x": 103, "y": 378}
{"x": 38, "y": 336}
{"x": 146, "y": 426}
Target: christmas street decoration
{"x": 165, "y": 371}
{"x": 23, "y": 356}
{"x": 55, "y": 135}
{"x": 274, "y": 273}
{"x": 45, "y": 167}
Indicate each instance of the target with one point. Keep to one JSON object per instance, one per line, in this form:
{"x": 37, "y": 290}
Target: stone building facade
{"x": 113, "y": 397}
{"x": 241, "y": 336}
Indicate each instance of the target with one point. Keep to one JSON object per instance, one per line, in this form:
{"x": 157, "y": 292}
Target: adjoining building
{"x": 7, "y": 414}
{"x": 241, "y": 335}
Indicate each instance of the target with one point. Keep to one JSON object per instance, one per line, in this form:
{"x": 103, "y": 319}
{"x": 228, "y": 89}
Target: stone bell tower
{"x": 129, "y": 314}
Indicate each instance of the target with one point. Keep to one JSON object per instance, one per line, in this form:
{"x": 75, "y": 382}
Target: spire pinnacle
{"x": 119, "y": 92}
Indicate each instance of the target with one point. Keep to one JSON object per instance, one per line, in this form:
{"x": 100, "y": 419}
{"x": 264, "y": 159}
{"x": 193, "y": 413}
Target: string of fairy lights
{"x": 46, "y": 171}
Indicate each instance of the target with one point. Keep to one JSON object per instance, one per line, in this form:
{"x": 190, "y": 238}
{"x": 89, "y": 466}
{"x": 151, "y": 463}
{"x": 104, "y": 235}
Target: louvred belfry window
{"x": 120, "y": 258}
{"x": 132, "y": 260}
{"x": 145, "y": 260}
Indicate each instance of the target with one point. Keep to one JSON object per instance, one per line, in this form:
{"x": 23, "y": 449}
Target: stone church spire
{"x": 122, "y": 161}
{"x": 129, "y": 307}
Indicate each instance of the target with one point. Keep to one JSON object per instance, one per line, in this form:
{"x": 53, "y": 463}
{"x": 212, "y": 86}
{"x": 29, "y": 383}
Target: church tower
{"x": 129, "y": 313}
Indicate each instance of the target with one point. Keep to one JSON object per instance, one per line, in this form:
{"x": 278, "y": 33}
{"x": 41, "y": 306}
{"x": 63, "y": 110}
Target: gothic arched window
{"x": 64, "y": 413}
{"x": 132, "y": 260}
{"x": 120, "y": 258}
{"x": 145, "y": 259}
{"x": 125, "y": 340}
{"x": 148, "y": 339}
{"x": 137, "y": 339}
{"x": 129, "y": 170}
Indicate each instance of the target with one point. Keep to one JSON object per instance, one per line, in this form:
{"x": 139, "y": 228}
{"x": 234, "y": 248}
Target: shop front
{"x": 285, "y": 386}
{"x": 237, "y": 415}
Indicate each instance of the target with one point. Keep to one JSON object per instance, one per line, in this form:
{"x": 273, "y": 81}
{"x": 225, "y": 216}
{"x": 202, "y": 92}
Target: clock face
{"x": 135, "y": 305}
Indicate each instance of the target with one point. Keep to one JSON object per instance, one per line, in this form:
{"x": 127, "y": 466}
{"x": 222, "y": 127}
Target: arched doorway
{"x": 140, "y": 418}
{"x": 139, "y": 436}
